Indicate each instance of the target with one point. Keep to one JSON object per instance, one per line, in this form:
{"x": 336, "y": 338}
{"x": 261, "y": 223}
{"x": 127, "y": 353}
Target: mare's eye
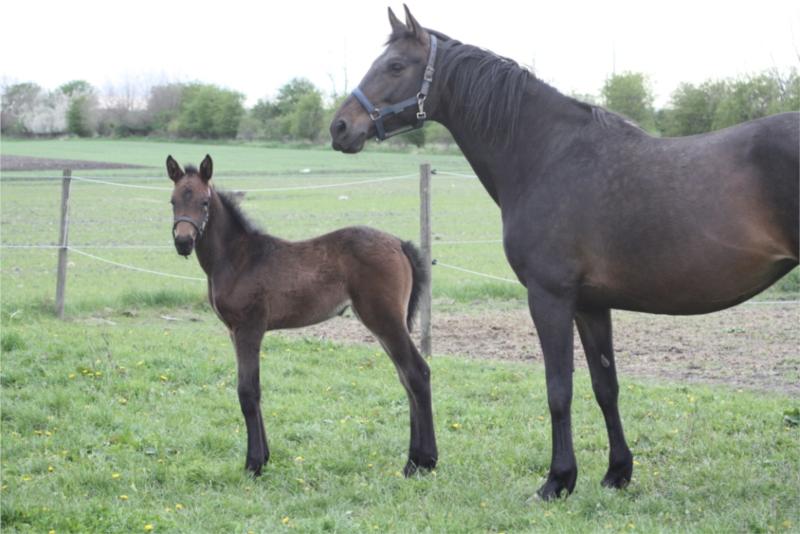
{"x": 396, "y": 67}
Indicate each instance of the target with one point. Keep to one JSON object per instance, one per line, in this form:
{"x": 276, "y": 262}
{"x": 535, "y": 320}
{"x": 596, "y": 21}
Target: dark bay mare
{"x": 258, "y": 282}
{"x": 597, "y": 214}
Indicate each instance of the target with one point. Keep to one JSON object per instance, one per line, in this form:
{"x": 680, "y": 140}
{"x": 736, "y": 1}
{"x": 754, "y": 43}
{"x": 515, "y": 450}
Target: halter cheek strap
{"x": 379, "y": 114}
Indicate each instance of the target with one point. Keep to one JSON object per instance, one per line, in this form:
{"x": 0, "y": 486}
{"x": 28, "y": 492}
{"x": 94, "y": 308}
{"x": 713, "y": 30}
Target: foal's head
{"x": 190, "y": 200}
{"x": 395, "y": 76}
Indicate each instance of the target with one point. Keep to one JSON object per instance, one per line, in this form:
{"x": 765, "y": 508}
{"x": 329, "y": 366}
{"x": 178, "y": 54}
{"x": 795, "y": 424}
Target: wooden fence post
{"x": 425, "y": 245}
{"x": 61, "y": 279}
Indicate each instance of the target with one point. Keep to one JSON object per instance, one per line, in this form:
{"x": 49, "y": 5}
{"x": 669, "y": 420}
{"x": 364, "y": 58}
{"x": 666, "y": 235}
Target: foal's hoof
{"x": 418, "y": 466}
{"x": 558, "y": 486}
{"x": 618, "y": 476}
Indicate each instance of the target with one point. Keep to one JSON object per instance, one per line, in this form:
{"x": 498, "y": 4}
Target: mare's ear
{"x": 174, "y": 170}
{"x": 206, "y": 168}
{"x": 398, "y": 28}
{"x": 415, "y": 27}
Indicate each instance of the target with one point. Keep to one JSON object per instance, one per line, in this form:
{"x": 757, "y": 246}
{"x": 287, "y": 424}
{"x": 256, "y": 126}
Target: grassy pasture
{"x": 119, "y": 420}
{"x": 123, "y": 417}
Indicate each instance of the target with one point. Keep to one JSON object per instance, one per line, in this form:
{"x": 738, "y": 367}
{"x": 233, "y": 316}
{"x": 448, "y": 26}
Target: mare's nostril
{"x": 341, "y": 126}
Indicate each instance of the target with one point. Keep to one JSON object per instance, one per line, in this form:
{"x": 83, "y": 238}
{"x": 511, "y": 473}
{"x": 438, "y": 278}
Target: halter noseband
{"x": 199, "y": 228}
{"x": 379, "y": 114}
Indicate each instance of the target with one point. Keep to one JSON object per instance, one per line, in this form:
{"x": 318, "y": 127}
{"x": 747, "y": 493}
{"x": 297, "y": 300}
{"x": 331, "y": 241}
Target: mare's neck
{"x": 498, "y": 163}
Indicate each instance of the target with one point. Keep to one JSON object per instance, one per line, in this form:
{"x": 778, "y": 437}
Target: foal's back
{"x": 307, "y": 282}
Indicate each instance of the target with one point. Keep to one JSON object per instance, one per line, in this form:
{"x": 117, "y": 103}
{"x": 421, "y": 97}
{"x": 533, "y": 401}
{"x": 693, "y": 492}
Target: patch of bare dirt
{"x": 27, "y": 163}
{"x": 753, "y": 346}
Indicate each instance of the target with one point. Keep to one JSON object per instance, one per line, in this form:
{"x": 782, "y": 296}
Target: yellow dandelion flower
{"x": 455, "y": 426}
{"x": 298, "y": 459}
{"x": 26, "y": 478}
{"x": 179, "y": 506}
{"x": 148, "y": 527}
{"x": 163, "y": 378}
{"x": 51, "y": 531}
{"x": 71, "y": 376}
{"x": 115, "y": 475}
{"x": 123, "y": 497}
{"x": 285, "y": 520}
{"x": 50, "y": 468}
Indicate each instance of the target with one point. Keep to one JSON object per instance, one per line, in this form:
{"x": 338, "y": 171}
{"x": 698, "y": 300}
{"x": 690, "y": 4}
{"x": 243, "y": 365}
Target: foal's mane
{"x": 234, "y": 210}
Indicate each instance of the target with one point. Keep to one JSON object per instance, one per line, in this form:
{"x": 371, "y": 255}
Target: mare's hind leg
{"x": 415, "y": 376}
{"x": 594, "y": 328}
{"x": 248, "y": 347}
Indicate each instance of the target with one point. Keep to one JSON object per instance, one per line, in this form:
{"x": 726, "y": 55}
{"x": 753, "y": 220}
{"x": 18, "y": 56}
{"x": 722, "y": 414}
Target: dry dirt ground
{"x": 26, "y": 163}
{"x": 754, "y": 345}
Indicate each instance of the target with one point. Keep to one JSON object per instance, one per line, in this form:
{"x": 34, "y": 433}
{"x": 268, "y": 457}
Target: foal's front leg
{"x": 248, "y": 348}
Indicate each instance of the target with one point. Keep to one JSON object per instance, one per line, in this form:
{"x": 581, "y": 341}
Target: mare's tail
{"x": 419, "y": 280}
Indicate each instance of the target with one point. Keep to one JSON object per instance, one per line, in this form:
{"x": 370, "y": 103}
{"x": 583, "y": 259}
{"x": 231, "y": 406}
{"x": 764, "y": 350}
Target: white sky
{"x": 255, "y": 47}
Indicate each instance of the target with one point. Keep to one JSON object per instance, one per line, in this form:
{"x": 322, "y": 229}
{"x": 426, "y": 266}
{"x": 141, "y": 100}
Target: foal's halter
{"x": 198, "y": 227}
{"x": 378, "y": 114}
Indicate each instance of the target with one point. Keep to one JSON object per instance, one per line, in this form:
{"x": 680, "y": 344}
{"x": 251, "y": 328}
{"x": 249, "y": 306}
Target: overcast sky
{"x": 255, "y": 47}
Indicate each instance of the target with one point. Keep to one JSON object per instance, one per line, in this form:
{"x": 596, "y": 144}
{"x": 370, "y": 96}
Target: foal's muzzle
{"x": 184, "y": 244}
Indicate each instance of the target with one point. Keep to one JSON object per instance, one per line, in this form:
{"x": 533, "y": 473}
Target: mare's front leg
{"x": 248, "y": 348}
{"x": 553, "y": 315}
{"x": 594, "y": 327}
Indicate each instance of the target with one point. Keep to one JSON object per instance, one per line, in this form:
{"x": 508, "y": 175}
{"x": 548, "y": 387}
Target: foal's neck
{"x": 212, "y": 248}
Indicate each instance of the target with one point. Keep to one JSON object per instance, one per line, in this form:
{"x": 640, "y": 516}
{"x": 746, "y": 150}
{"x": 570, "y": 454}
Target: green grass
{"x": 111, "y": 422}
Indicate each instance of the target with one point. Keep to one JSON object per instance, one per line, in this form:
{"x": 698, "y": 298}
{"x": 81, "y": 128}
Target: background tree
{"x": 163, "y": 106}
{"x": 207, "y": 111}
{"x": 752, "y": 97}
{"x": 629, "y": 93}
{"x": 17, "y": 100}
{"x": 295, "y": 113}
{"x": 305, "y": 119}
{"x": 81, "y": 114}
{"x": 692, "y": 109}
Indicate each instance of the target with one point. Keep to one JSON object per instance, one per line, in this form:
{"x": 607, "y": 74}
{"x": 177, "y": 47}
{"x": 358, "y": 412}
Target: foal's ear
{"x": 398, "y": 28}
{"x": 415, "y": 27}
{"x": 206, "y": 168}
{"x": 174, "y": 170}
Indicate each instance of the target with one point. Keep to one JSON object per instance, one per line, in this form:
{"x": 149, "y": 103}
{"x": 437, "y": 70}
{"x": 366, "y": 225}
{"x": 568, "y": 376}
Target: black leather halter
{"x": 198, "y": 227}
{"x": 379, "y": 114}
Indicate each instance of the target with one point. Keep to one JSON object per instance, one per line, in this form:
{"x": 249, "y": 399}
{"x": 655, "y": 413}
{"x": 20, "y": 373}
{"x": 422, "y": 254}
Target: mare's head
{"x": 190, "y": 200}
{"x": 389, "y": 99}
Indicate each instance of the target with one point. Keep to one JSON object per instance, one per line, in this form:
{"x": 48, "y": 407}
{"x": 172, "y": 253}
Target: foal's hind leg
{"x": 415, "y": 376}
{"x": 248, "y": 348}
{"x": 594, "y": 328}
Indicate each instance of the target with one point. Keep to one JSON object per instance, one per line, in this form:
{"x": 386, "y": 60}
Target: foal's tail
{"x": 420, "y": 277}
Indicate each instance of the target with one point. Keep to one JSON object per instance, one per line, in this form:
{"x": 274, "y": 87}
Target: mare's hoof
{"x": 416, "y": 466}
{"x": 558, "y": 485}
{"x": 618, "y": 476}
{"x": 254, "y": 466}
